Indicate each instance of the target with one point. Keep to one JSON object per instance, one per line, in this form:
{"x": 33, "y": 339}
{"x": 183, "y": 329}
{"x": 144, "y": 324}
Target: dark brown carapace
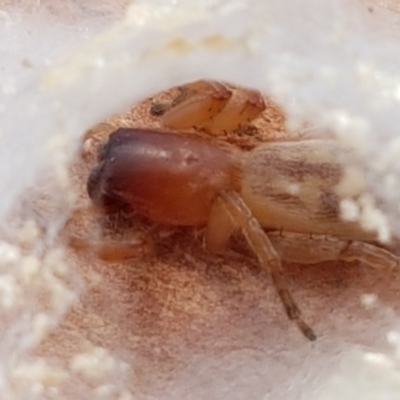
{"x": 166, "y": 177}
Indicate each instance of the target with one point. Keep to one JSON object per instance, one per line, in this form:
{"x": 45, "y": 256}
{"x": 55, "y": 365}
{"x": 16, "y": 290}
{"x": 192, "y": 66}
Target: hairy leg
{"x": 212, "y": 106}
{"x": 196, "y": 103}
{"x": 311, "y": 249}
{"x": 104, "y": 248}
{"x": 268, "y": 257}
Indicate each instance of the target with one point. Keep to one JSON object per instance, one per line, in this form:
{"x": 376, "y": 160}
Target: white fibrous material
{"x": 333, "y": 66}
{"x": 376, "y": 375}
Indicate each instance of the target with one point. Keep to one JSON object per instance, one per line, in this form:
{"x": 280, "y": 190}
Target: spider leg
{"x": 244, "y": 106}
{"x": 111, "y": 250}
{"x": 261, "y": 245}
{"x": 105, "y": 249}
{"x": 219, "y": 229}
{"x": 196, "y": 103}
{"x": 306, "y": 249}
{"x": 369, "y": 254}
{"x": 213, "y": 106}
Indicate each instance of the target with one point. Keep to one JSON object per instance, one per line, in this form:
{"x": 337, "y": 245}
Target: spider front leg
{"x": 306, "y": 249}
{"x": 109, "y": 250}
{"x": 196, "y": 103}
{"x": 242, "y": 218}
{"x": 112, "y": 250}
{"x": 212, "y": 106}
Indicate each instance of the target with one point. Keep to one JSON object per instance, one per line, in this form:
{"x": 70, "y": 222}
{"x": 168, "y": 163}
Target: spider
{"x": 284, "y": 197}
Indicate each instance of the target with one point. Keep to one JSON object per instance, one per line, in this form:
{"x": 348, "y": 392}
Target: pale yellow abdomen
{"x": 292, "y": 186}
